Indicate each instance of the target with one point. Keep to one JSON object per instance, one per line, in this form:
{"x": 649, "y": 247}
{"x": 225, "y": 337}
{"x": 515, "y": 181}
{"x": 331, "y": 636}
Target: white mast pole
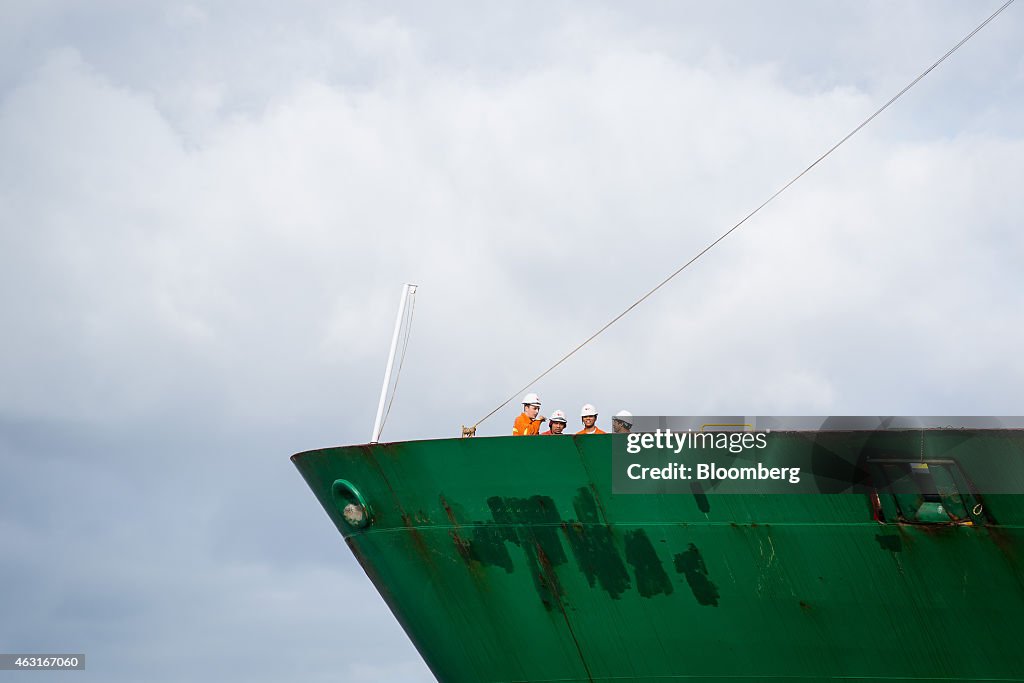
{"x": 391, "y": 361}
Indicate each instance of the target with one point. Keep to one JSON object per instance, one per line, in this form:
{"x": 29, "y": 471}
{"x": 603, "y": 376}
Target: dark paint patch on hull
{"x": 691, "y": 564}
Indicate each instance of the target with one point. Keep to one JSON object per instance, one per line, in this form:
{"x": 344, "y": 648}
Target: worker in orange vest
{"x": 557, "y": 423}
{"x": 528, "y": 423}
{"x": 622, "y": 423}
{"x": 589, "y": 416}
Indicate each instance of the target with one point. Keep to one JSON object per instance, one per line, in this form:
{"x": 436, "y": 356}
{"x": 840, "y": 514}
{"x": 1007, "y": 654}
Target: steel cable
{"x": 752, "y": 213}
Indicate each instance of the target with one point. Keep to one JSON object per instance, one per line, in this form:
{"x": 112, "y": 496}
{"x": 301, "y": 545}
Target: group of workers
{"x": 530, "y": 420}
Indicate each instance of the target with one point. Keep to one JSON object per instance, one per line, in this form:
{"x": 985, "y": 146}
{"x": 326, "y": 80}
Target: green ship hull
{"x": 510, "y": 559}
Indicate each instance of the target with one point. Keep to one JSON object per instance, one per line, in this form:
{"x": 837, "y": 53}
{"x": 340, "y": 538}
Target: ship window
{"x": 915, "y": 492}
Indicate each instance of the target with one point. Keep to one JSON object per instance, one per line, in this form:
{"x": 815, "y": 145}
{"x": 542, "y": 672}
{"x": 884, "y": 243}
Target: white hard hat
{"x": 531, "y": 399}
{"x": 624, "y": 416}
{"x": 558, "y": 416}
{"x": 588, "y": 411}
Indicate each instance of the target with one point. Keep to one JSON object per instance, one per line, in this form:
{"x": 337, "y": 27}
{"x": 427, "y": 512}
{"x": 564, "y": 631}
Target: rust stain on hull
{"x": 550, "y": 578}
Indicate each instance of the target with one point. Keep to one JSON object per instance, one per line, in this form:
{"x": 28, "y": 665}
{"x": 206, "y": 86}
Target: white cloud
{"x": 581, "y": 181}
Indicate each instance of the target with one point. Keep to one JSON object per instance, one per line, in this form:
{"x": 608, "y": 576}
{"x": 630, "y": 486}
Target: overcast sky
{"x": 207, "y": 212}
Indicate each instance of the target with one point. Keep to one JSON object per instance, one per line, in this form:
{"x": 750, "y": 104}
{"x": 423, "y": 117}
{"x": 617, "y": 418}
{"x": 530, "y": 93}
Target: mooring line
{"x": 751, "y": 214}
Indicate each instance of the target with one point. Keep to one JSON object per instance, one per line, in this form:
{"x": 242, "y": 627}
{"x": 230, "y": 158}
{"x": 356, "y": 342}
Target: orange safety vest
{"x": 597, "y": 430}
{"x": 524, "y": 426}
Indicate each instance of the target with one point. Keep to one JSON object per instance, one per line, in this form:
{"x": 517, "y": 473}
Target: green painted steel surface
{"x": 509, "y": 559}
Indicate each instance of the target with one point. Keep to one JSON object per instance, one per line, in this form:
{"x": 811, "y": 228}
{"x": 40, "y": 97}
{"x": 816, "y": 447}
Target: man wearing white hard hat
{"x": 589, "y": 416}
{"x": 556, "y": 422}
{"x": 622, "y": 422}
{"x": 528, "y": 423}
